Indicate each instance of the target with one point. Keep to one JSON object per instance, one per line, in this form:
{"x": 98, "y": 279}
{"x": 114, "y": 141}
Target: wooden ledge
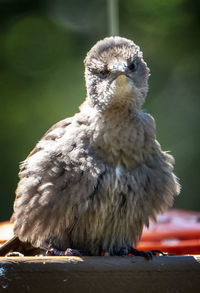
{"x": 100, "y": 274}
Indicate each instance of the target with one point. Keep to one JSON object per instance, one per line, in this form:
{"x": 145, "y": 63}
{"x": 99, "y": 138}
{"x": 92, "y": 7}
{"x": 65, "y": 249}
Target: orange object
{"x": 6, "y": 231}
{"x": 176, "y": 231}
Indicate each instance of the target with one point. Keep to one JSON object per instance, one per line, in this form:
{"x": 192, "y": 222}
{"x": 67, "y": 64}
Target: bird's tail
{"x": 16, "y": 245}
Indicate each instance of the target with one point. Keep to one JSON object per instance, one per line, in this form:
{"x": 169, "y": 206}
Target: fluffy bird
{"x": 94, "y": 180}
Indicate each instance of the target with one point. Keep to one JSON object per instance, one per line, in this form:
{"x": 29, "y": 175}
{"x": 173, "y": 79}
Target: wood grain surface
{"x": 100, "y": 274}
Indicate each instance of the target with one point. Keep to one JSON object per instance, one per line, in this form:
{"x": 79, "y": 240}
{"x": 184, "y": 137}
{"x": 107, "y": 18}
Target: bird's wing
{"x": 55, "y": 177}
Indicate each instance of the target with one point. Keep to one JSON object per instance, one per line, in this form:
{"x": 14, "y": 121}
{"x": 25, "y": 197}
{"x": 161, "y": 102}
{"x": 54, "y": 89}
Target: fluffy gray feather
{"x": 94, "y": 180}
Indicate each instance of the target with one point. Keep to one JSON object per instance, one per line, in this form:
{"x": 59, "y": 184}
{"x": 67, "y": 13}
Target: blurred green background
{"x": 42, "y": 47}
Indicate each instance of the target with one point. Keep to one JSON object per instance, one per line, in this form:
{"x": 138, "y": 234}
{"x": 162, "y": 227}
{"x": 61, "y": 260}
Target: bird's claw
{"x": 72, "y": 252}
{"x": 146, "y": 254}
{"x": 68, "y": 252}
{"x": 54, "y": 252}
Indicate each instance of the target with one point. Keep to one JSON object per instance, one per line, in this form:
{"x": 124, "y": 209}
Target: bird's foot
{"x": 68, "y": 252}
{"x": 146, "y": 254}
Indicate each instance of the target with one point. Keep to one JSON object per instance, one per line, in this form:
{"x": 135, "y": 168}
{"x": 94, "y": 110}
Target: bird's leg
{"x": 68, "y": 252}
{"x": 72, "y": 252}
{"x": 135, "y": 252}
{"x": 146, "y": 254}
{"x": 54, "y": 252}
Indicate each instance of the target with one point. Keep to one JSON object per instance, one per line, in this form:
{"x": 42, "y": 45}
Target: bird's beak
{"x": 123, "y": 85}
{"x": 118, "y": 68}
{"x": 121, "y": 80}
{"x": 119, "y": 72}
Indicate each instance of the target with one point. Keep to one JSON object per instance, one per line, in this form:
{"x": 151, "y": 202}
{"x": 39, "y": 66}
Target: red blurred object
{"x": 176, "y": 231}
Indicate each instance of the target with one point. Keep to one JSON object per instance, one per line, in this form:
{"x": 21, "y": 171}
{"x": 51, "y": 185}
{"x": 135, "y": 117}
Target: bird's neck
{"x": 114, "y": 132}
{"x": 116, "y": 114}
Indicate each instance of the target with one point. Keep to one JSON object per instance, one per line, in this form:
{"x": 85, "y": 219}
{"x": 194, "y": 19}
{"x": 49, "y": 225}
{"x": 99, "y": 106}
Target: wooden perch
{"x": 100, "y": 274}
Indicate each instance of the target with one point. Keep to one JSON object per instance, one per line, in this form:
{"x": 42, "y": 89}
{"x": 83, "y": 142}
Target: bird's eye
{"x": 104, "y": 73}
{"x": 132, "y": 66}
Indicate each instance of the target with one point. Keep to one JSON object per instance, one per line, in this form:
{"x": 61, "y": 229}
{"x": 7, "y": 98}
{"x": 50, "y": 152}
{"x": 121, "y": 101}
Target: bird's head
{"x": 116, "y": 74}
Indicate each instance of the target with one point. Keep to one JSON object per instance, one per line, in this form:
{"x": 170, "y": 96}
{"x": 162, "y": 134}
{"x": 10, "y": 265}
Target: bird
{"x": 96, "y": 179}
